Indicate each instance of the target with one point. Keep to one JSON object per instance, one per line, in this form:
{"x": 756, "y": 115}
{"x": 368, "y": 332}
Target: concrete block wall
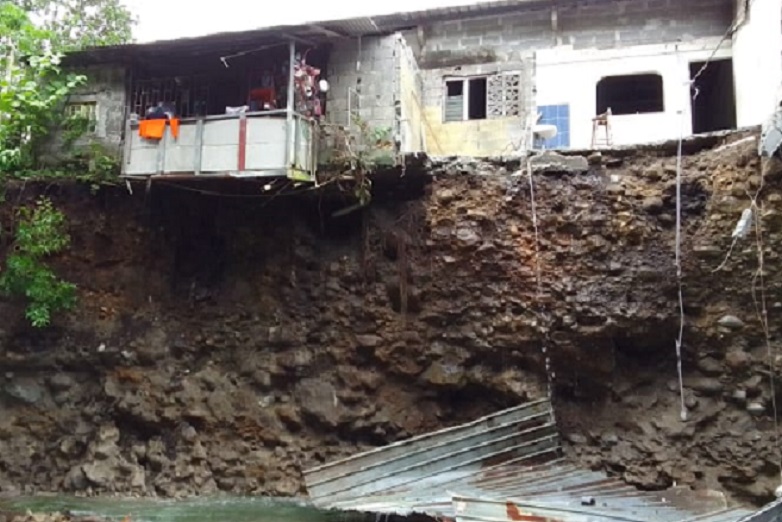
{"x": 485, "y": 40}
{"x": 489, "y": 137}
{"x": 595, "y": 24}
{"x": 105, "y": 87}
{"x": 488, "y": 45}
{"x": 370, "y": 67}
{"x": 585, "y": 24}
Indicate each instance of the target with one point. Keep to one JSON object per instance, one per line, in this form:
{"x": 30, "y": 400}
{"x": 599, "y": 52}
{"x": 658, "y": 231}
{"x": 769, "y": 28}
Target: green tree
{"x": 77, "y": 24}
{"x": 41, "y": 233}
{"x": 33, "y": 88}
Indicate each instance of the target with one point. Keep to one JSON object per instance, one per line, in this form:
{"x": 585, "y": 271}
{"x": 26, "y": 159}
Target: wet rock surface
{"x": 224, "y": 345}
{"x": 8, "y": 516}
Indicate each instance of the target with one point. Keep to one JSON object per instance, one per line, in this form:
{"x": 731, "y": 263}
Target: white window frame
{"x": 465, "y": 80}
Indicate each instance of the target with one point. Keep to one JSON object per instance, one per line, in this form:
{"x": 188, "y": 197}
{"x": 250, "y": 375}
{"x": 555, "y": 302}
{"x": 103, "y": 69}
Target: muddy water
{"x": 214, "y": 509}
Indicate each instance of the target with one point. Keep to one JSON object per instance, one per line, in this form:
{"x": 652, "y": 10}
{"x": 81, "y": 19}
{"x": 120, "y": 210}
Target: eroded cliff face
{"x": 225, "y": 343}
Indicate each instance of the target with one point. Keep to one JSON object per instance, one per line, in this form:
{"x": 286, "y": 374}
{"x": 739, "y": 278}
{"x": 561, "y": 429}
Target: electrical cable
{"x": 761, "y": 308}
{"x": 679, "y": 339}
{"x": 761, "y": 311}
{"x": 734, "y": 26}
{"x": 550, "y": 376}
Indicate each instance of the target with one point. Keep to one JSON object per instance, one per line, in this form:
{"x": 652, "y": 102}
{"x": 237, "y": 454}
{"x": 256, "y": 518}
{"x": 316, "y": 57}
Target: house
{"x": 476, "y": 80}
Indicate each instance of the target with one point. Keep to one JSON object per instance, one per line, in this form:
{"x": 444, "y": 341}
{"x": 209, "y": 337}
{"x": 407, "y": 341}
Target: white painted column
{"x": 757, "y": 62}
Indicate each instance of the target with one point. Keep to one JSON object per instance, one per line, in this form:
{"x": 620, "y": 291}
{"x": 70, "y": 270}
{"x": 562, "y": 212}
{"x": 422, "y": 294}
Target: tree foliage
{"x": 33, "y": 87}
{"x": 34, "y": 35}
{"x": 41, "y": 233}
{"x": 77, "y": 24}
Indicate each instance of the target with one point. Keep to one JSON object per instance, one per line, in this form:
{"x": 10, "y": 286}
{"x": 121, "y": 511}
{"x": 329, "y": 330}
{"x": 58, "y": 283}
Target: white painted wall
{"x": 568, "y": 76}
{"x": 757, "y": 51}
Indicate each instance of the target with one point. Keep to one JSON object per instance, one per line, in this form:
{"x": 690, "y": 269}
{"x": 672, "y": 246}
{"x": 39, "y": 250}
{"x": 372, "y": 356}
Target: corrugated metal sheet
{"x": 515, "y": 435}
{"x": 770, "y": 513}
{"x": 506, "y": 467}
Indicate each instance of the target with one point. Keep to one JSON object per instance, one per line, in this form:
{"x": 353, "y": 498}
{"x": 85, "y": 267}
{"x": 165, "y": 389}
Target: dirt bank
{"x": 225, "y": 343}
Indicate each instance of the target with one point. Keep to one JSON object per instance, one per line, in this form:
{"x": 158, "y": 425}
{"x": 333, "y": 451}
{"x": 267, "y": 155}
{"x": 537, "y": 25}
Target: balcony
{"x": 256, "y": 144}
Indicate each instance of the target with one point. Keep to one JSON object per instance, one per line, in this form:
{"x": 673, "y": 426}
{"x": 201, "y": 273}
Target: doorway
{"x": 714, "y": 108}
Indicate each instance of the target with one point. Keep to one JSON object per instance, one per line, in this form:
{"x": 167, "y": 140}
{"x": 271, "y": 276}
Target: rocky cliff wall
{"x": 223, "y": 343}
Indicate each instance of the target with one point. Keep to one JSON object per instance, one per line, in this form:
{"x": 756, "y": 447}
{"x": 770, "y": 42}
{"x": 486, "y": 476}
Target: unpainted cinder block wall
{"x": 507, "y": 43}
{"x": 369, "y": 67}
{"x": 378, "y": 80}
{"x": 105, "y": 88}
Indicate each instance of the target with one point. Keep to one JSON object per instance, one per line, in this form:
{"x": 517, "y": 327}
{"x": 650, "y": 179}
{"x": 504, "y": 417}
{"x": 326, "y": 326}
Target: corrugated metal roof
{"x": 310, "y": 31}
{"x": 770, "y": 513}
{"x": 502, "y": 468}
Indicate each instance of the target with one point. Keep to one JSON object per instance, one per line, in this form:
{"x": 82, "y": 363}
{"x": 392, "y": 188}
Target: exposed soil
{"x": 226, "y": 343}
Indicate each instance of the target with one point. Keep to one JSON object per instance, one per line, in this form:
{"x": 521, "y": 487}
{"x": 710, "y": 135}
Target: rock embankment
{"x": 225, "y": 344}
{"x": 9, "y": 516}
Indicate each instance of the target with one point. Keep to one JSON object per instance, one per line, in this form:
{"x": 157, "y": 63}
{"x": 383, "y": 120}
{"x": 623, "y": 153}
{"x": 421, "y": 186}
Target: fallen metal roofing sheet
{"x": 505, "y": 467}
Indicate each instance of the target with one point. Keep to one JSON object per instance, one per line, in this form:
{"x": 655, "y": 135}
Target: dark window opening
{"x": 465, "y": 99}
{"x": 714, "y": 107}
{"x": 476, "y": 109}
{"x": 634, "y": 94}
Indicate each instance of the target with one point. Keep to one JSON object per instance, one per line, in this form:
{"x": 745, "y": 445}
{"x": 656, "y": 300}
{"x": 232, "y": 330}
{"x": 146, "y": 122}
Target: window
{"x": 504, "y": 97}
{"x": 465, "y": 99}
{"x": 558, "y": 115}
{"x": 714, "y": 109}
{"x": 495, "y": 96}
{"x": 634, "y": 94}
{"x": 86, "y": 110}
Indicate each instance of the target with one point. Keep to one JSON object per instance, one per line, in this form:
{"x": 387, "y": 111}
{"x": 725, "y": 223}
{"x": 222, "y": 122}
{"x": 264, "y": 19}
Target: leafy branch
{"x": 360, "y": 151}
{"x": 40, "y": 234}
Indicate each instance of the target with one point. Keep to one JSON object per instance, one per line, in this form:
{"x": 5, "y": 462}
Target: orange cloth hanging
{"x": 174, "y": 122}
{"x": 152, "y": 129}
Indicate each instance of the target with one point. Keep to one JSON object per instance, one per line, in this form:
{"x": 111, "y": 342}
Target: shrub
{"x": 40, "y": 234}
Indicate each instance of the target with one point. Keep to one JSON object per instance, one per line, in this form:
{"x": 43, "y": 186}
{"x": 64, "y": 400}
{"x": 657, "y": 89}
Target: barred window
{"x": 85, "y": 110}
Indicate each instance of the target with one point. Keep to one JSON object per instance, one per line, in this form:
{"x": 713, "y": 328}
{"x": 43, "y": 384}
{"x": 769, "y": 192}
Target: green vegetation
{"x": 34, "y": 90}
{"x": 359, "y": 151}
{"x": 77, "y": 24}
{"x": 39, "y": 234}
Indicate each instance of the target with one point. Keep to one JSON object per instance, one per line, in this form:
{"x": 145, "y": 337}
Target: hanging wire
{"x": 732, "y": 28}
{"x": 750, "y": 215}
{"x": 550, "y": 376}
{"x": 761, "y": 309}
{"x": 679, "y": 339}
{"x": 729, "y": 32}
